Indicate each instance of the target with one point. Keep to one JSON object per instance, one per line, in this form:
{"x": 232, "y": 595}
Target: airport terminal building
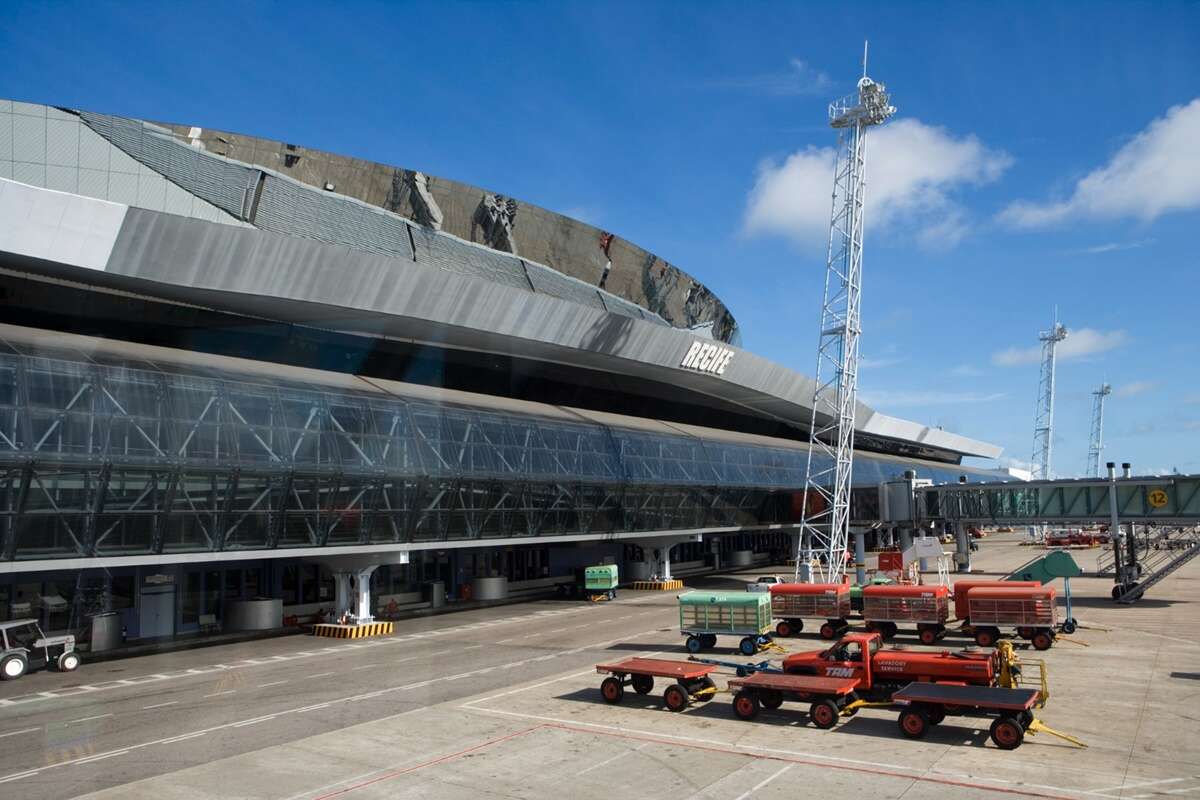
{"x": 234, "y": 368}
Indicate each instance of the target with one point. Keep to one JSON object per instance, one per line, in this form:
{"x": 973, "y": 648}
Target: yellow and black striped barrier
{"x": 353, "y": 631}
{"x": 658, "y": 586}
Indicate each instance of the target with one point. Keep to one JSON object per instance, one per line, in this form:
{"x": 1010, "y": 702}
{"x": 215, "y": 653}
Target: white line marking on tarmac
{"x": 611, "y": 759}
{"x": 318, "y": 675}
{"x": 1140, "y": 784}
{"x": 15, "y": 733}
{"x": 88, "y": 719}
{"x": 19, "y": 775}
{"x": 764, "y": 782}
{"x": 363, "y": 666}
{"x": 160, "y": 705}
{"x": 102, "y": 756}
{"x": 272, "y": 683}
{"x": 218, "y": 694}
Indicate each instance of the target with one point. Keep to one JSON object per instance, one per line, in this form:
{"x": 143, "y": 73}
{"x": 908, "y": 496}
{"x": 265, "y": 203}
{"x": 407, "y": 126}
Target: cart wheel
{"x": 985, "y": 638}
{"x": 694, "y": 645}
{"x": 707, "y": 683}
{"x": 1068, "y": 627}
{"x": 708, "y": 640}
{"x": 1043, "y": 640}
{"x": 783, "y": 629}
{"x": 772, "y": 699}
{"x": 937, "y": 715}
{"x": 828, "y": 631}
{"x": 612, "y": 595}
{"x": 13, "y": 667}
{"x": 1007, "y": 733}
{"x": 1025, "y": 632}
{"x": 914, "y": 723}
{"x": 68, "y": 662}
{"x": 823, "y": 713}
{"x": 675, "y": 697}
{"x": 612, "y": 690}
{"x": 742, "y": 672}
{"x": 891, "y": 630}
{"x": 929, "y": 636}
{"x": 642, "y": 684}
{"x": 745, "y": 705}
{"x": 748, "y": 646}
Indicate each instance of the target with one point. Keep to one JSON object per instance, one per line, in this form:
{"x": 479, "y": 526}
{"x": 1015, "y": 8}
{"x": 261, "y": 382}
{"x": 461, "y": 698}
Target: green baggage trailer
{"x": 705, "y": 615}
{"x": 600, "y": 582}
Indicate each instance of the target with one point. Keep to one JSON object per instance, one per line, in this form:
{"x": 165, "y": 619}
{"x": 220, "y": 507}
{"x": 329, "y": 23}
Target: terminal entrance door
{"x": 157, "y": 616}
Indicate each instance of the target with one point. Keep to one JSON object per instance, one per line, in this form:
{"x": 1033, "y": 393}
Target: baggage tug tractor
{"x": 23, "y": 647}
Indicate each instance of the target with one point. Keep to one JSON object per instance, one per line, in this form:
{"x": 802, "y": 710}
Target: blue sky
{"x": 1035, "y": 162}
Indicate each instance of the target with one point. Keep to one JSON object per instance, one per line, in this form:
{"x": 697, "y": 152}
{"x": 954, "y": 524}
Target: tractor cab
{"x": 849, "y": 657}
{"x": 23, "y": 647}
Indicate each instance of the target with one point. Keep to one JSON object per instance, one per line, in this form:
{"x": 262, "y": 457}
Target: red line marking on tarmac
{"x": 672, "y": 743}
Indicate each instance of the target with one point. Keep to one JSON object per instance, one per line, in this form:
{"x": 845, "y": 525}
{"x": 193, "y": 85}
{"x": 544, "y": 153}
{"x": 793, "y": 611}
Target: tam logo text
{"x": 708, "y": 358}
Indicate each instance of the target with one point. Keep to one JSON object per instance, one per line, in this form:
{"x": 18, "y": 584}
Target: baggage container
{"x": 705, "y": 615}
{"x": 1032, "y": 611}
{"x": 925, "y": 606}
{"x": 792, "y": 603}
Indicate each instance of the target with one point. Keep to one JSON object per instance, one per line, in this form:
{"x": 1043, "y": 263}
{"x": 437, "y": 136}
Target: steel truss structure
{"x": 825, "y": 525}
{"x": 1096, "y": 440}
{"x": 122, "y": 458}
{"x": 1043, "y": 423}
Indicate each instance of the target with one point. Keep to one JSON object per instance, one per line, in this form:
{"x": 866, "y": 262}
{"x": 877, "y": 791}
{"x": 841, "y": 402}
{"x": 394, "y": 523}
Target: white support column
{"x": 362, "y": 586}
{"x": 905, "y": 539}
{"x": 860, "y": 556}
{"x": 341, "y": 583}
{"x": 962, "y": 555}
{"x": 923, "y": 563}
{"x": 658, "y": 552}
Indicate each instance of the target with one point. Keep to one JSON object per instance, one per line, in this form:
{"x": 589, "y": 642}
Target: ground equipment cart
{"x": 600, "y": 582}
{"x": 1033, "y": 611}
{"x": 926, "y": 606}
{"x": 792, "y": 603}
{"x": 705, "y": 615}
{"x": 689, "y": 681}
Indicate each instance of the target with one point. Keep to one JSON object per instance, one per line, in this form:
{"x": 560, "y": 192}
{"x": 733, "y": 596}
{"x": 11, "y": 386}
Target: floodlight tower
{"x": 1043, "y": 424}
{"x": 825, "y": 519}
{"x": 1096, "y": 443}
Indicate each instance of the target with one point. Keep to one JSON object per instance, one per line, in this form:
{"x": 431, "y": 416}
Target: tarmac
{"x": 504, "y": 702}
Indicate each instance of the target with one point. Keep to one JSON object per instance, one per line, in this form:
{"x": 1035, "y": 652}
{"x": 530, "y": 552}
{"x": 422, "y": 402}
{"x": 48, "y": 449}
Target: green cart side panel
{"x": 1055, "y": 564}
{"x": 736, "y": 613}
{"x": 601, "y": 578}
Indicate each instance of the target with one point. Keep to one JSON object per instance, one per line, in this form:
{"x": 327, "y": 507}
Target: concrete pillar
{"x": 962, "y": 547}
{"x": 905, "y": 539}
{"x": 804, "y": 558}
{"x": 658, "y": 552}
{"x": 923, "y": 564}
{"x": 341, "y": 604}
{"x": 362, "y": 586}
{"x": 860, "y": 557}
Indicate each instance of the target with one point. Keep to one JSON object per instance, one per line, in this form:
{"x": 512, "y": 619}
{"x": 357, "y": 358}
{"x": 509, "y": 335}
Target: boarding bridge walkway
{"x": 1170, "y": 504}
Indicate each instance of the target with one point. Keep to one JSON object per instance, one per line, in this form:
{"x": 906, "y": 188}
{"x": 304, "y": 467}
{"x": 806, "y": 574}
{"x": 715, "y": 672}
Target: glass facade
{"x": 103, "y": 457}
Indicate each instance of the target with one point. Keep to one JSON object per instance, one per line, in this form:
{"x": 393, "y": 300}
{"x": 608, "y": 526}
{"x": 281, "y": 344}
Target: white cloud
{"x": 966, "y": 371}
{"x": 798, "y": 79}
{"x": 1135, "y": 388}
{"x": 913, "y": 169}
{"x": 1078, "y": 344}
{"x": 867, "y": 362}
{"x": 1113, "y": 247}
{"x": 926, "y": 398}
{"x": 1155, "y": 173}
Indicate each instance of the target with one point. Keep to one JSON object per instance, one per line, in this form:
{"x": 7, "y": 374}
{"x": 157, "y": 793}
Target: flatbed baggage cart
{"x": 827, "y": 696}
{"x": 705, "y": 615}
{"x": 792, "y": 603}
{"x": 927, "y": 704}
{"x": 689, "y": 681}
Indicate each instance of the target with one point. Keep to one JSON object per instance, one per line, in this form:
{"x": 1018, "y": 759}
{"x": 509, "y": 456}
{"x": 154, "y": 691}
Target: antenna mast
{"x": 1043, "y": 424}
{"x": 824, "y": 526}
{"x": 1096, "y": 443}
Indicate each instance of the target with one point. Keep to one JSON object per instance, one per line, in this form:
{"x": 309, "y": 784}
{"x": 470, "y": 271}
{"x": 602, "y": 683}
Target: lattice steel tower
{"x": 826, "y": 516}
{"x": 1096, "y": 442}
{"x": 1043, "y": 424}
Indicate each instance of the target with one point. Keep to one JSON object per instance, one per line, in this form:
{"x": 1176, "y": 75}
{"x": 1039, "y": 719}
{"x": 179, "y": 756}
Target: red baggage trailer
{"x": 961, "y": 588}
{"x": 926, "y": 606}
{"x": 792, "y": 603}
{"x": 1033, "y": 611}
{"x": 689, "y": 681}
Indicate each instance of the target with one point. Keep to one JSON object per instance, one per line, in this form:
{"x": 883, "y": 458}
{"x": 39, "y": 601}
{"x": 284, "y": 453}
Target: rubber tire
{"x": 642, "y": 684}
{"x": 746, "y": 705}
{"x": 937, "y": 715}
{"x": 783, "y": 629}
{"x": 707, "y": 683}
{"x": 891, "y": 630}
{"x": 694, "y": 645}
{"x": 985, "y": 638}
{"x": 1025, "y": 632}
{"x": 1007, "y": 733}
{"x": 748, "y": 646}
{"x": 708, "y": 640}
{"x": 13, "y": 667}
{"x": 1042, "y": 640}
{"x": 68, "y": 662}
{"x": 612, "y": 595}
{"x": 675, "y": 698}
{"x": 929, "y": 636}
{"x": 1068, "y": 627}
{"x": 771, "y": 699}
{"x": 914, "y": 723}
{"x": 612, "y": 690}
{"x": 824, "y": 714}
{"x": 828, "y": 631}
